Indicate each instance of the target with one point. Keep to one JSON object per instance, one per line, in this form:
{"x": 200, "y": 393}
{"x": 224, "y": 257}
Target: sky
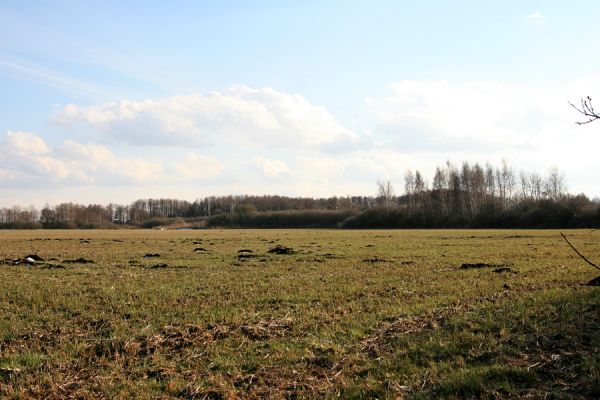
{"x": 111, "y": 101}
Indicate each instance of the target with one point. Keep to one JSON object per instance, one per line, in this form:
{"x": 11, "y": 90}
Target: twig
{"x": 578, "y": 253}
{"x": 587, "y": 109}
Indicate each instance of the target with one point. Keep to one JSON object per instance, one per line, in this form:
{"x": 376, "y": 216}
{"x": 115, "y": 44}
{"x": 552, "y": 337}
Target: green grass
{"x": 354, "y": 314}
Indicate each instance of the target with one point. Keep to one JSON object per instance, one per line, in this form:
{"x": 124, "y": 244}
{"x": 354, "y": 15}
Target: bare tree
{"x": 409, "y": 188}
{"x": 490, "y": 180}
{"x": 536, "y": 185}
{"x": 555, "y": 184}
{"x": 506, "y": 182}
{"x": 525, "y": 185}
{"x": 440, "y": 187}
{"x": 453, "y": 187}
{"x": 466, "y": 190}
{"x": 385, "y": 191}
{"x": 419, "y": 188}
{"x": 587, "y": 110}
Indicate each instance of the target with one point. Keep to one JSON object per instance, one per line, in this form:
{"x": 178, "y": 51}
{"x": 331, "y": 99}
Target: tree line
{"x": 155, "y": 212}
{"x": 467, "y": 195}
{"x": 480, "y": 197}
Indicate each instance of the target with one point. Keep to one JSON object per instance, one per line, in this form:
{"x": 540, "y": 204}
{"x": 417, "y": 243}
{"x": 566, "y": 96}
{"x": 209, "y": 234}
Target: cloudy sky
{"x": 113, "y": 101}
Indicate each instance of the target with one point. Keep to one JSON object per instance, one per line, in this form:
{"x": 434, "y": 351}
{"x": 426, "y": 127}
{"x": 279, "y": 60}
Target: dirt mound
{"x": 158, "y": 266}
{"x": 279, "y": 249}
{"x": 504, "y": 269}
{"x": 79, "y": 260}
{"x": 594, "y": 282}
{"x": 33, "y": 260}
{"x": 481, "y": 265}
{"x": 30, "y": 259}
{"x": 331, "y": 255}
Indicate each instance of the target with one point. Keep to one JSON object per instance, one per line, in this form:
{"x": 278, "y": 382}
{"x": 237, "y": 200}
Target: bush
{"x": 281, "y": 219}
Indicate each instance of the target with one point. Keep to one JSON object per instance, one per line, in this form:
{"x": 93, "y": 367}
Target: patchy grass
{"x": 354, "y": 314}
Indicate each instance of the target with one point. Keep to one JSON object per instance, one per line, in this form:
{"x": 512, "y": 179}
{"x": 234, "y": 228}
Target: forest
{"x": 465, "y": 196}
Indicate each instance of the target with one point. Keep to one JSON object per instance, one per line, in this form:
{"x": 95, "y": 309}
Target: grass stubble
{"x": 348, "y": 314}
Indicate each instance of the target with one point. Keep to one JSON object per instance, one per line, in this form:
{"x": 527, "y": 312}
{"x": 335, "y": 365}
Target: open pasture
{"x": 355, "y": 314}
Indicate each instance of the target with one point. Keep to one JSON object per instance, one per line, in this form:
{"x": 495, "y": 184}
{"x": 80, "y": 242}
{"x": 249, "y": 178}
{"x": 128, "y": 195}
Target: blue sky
{"x": 110, "y": 101}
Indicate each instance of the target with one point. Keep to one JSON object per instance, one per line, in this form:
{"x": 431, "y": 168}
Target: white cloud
{"x": 418, "y": 125}
{"x": 24, "y": 154}
{"x": 96, "y": 163}
{"x": 24, "y": 143}
{"x": 480, "y": 116}
{"x": 272, "y": 168}
{"x": 532, "y": 127}
{"x": 26, "y": 159}
{"x": 255, "y": 117}
{"x": 197, "y": 166}
{"x": 321, "y": 167}
{"x": 359, "y": 169}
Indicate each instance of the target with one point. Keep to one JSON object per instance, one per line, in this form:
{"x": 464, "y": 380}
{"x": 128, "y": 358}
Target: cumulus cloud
{"x": 255, "y": 117}
{"x": 438, "y": 115}
{"x": 26, "y": 158}
{"x": 418, "y": 125}
{"x": 272, "y": 168}
{"x": 96, "y": 163}
{"x": 25, "y": 154}
{"x": 197, "y": 166}
{"x": 359, "y": 167}
{"x": 24, "y": 143}
{"x": 321, "y": 167}
{"x": 531, "y": 126}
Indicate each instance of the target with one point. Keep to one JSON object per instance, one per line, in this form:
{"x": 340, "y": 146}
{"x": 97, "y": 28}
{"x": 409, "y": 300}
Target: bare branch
{"x": 586, "y": 109}
{"x": 578, "y": 253}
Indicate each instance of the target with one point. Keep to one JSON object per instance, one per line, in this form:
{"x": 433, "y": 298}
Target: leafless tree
{"x": 555, "y": 186}
{"x": 525, "y": 185}
{"x": 506, "y": 183}
{"x": 490, "y": 180}
{"x": 440, "y": 187}
{"x": 536, "y": 185}
{"x": 385, "y": 191}
{"x": 420, "y": 186}
{"x": 409, "y": 188}
{"x": 478, "y": 188}
{"x": 586, "y": 108}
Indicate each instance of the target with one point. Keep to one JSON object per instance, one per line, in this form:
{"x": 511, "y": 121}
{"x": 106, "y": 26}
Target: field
{"x": 348, "y": 314}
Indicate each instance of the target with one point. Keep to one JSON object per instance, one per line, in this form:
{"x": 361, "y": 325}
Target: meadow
{"x": 212, "y": 314}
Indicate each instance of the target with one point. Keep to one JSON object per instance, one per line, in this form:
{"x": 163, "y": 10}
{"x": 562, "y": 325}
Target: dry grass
{"x": 354, "y": 314}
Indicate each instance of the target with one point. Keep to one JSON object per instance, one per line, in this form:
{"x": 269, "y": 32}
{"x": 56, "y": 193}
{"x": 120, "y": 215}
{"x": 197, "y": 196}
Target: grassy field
{"x": 350, "y": 314}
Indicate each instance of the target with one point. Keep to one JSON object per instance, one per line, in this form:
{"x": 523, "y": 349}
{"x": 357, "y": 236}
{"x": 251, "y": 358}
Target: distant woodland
{"x": 465, "y": 196}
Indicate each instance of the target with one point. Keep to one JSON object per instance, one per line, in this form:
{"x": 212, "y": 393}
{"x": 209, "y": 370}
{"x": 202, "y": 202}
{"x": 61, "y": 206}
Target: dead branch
{"x": 587, "y": 109}
{"x": 578, "y": 253}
